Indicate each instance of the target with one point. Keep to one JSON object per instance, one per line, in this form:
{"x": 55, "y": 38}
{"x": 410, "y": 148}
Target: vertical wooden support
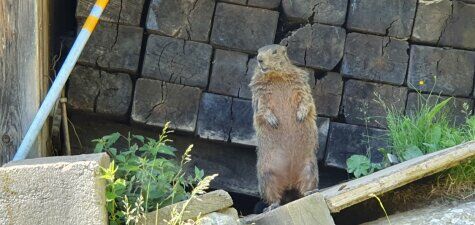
{"x": 24, "y": 65}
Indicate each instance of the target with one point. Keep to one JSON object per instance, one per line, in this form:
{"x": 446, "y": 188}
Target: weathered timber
{"x": 23, "y": 71}
{"x": 352, "y": 192}
{"x": 204, "y": 204}
{"x": 310, "y": 210}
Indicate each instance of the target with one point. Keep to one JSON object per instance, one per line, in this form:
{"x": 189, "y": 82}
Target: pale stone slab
{"x": 54, "y": 190}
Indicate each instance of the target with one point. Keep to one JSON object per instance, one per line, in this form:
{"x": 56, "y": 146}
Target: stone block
{"x": 268, "y": 4}
{"x": 92, "y": 90}
{"x": 229, "y": 74}
{"x": 431, "y": 20}
{"x": 361, "y": 102}
{"x": 126, "y": 12}
{"x": 317, "y": 46}
{"x": 345, "y": 140}
{"x": 190, "y": 20}
{"x": 323, "y": 125}
{"x": 456, "y": 109}
{"x": 214, "y": 117}
{"x": 54, "y": 190}
{"x": 327, "y": 94}
{"x": 242, "y": 131}
{"x": 157, "y": 102}
{"x": 243, "y": 28}
{"x": 384, "y": 17}
{"x": 460, "y": 27}
{"x": 177, "y": 61}
{"x": 382, "y": 59}
{"x": 444, "y": 71}
{"x": 332, "y": 12}
{"x": 114, "y": 47}
{"x": 240, "y": 2}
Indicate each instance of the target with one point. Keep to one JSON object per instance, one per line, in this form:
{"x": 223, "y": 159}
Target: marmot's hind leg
{"x": 269, "y": 188}
{"x": 308, "y": 181}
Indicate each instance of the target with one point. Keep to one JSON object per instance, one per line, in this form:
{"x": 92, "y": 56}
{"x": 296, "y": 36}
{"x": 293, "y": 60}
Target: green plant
{"x": 144, "y": 175}
{"x": 424, "y": 131}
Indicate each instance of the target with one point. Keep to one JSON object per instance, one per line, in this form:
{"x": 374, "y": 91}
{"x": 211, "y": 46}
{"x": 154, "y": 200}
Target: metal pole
{"x": 60, "y": 81}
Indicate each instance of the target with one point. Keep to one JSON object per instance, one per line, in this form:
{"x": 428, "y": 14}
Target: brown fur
{"x": 285, "y": 124}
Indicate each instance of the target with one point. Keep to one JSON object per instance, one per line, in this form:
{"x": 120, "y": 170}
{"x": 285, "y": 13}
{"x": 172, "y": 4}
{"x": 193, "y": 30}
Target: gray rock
{"x": 228, "y": 76}
{"x": 323, "y": 125}
{"x": 126, "y": 12}
{"x": 431, "y": 20}
{"x": 242, "y": 131}
{"x": 385, "y": 17}
{"x": 438, "y": 70}
{"x": 375, "y": 58}
{"x": 327, "y": 94}
{"x": 332, "y": 12}
{"x": 92, "y": 90}
{"x": 268, "y": 4}
{"x": 361, "y": 102}
{"x": 316, "y": 46}
{"x": 157, "y": 102}
{"x": 456, "y": 109}
{"x": 190, "y": 20}
{"x": 345, "y": 140}
{"x": 114, "y": 47}
{"x": 460, "y": 27}
{"x": 460, "y": 213}
{"x": 177, "y": 61}
{"x": 243, "y": 28}
{"x": 84, "y": 86}
{"x": 214, "y": 117}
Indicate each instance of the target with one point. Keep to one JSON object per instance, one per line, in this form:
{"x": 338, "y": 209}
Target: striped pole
{"x": 60, "y": 81}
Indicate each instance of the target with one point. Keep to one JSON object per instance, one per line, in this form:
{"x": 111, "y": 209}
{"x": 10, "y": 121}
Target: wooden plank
{"x": 310, "y": 210}
{"x": 23, "y": 68}
{"x": 352, "y": 192}
{"x": 204, "y": 204}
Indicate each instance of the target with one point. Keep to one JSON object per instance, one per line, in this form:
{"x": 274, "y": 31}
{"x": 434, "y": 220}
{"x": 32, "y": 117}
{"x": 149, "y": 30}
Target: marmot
{"x": 286, "y": 129}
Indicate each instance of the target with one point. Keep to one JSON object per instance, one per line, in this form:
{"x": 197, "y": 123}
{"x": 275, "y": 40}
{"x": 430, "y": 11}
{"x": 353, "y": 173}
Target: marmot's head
{"x": 273, "y": 58}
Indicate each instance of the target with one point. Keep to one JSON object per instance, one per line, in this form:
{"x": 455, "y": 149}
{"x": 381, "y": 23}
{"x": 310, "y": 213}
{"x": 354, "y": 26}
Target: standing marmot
{"x": 285, "y": 124}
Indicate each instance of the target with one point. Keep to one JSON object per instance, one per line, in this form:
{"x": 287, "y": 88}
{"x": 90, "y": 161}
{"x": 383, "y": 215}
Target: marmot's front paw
{"x": 301, "y": 114}
{"x": 272, "y": 120}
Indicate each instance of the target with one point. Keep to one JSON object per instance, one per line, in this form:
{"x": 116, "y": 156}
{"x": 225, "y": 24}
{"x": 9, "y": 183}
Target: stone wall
{"x": 190, "y": 62}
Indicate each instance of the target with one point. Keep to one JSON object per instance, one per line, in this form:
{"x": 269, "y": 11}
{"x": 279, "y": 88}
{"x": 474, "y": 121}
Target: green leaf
{"x": 139, "y": 137}
{"x": 167, "y": 150}
{"x": 412, "y": 152}
{"x": 358, "y": 165}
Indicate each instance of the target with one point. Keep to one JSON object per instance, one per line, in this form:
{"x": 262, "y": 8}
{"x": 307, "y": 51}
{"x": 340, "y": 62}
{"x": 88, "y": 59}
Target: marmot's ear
{"x": 274, "y": 52}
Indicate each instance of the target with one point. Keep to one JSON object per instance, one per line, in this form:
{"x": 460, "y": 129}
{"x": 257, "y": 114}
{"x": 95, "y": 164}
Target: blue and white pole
{"x": 58, "y": 84}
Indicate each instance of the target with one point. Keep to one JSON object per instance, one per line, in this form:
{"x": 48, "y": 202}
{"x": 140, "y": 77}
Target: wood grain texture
{"x": 352, "y": 192}
{"x": 310, "y": 210}
{"x": 23, "y": 63}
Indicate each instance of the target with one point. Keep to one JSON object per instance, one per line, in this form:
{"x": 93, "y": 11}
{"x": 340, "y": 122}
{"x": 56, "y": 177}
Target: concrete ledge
{"x": 54, "y": 190}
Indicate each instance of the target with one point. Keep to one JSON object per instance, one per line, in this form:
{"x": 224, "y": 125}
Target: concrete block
{"x": 214, "y": 117}
{"x": 229, "y": 73}
{"x": 54, "y": 190}
{"x": 332, "y": 12}
{"x": 327, "y": 94}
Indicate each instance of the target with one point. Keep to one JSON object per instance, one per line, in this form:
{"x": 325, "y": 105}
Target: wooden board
{"x": 310, "y": 210}
{"x": 352, "y": 192}
{"x": 23, "y": 71}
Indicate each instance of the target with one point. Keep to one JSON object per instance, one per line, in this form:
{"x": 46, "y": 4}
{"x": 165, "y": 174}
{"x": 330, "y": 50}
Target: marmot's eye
{"x": 274, "y": 52}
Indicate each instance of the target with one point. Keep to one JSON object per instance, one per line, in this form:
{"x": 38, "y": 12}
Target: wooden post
{"x": 24, "y": 65}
